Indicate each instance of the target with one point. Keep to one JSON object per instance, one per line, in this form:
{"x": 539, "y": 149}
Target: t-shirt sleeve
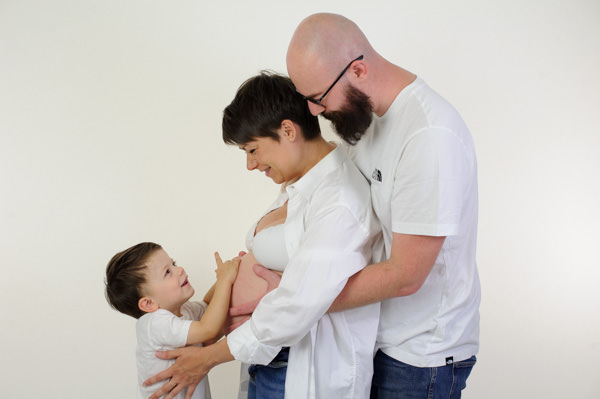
{"x": 168, "y": 329}
{"x": 429, "y": 184}
{"x": 193, "y": 310}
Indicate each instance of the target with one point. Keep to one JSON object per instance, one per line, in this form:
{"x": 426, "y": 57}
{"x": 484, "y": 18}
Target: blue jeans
{"x": 393, "y": 379}
{"x": 268, "y": 382}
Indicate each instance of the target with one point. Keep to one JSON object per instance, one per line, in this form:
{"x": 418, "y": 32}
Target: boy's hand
{"x": 227, "y": 271}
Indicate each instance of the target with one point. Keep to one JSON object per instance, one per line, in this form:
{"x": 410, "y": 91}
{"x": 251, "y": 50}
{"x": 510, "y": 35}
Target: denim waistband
{"x": 282, "y": 357}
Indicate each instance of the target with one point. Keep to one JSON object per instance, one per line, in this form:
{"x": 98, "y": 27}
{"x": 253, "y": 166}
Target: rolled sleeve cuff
{"x": 436, "y": 230}
{"x": 245, "y": 347}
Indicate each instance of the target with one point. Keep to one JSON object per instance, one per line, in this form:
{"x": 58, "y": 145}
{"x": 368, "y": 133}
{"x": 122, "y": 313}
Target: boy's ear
{"x": 147, "y": 305}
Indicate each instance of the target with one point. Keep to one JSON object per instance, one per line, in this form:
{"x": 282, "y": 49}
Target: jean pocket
{"x": 470, "y": 362}
{"x": 278, "y": 365}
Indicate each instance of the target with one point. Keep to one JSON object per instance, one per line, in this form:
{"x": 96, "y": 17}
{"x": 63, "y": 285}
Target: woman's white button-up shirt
{"x": 330, "y": 233}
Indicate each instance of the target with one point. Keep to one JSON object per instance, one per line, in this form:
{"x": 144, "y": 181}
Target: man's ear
{"x": 359, "y": 71}
{"x": 289, "y": 130}
{"x": 147, "y": 304}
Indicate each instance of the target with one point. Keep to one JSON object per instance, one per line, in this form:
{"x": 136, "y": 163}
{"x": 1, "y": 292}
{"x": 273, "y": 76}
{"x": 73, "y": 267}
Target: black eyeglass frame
{"x": 318, "y": 101}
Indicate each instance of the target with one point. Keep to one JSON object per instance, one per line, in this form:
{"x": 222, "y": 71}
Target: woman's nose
{"x": 251, "y": 162}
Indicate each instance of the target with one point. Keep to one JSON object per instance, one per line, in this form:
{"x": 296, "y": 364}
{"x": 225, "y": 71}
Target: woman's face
{"x": 277, "y": 159}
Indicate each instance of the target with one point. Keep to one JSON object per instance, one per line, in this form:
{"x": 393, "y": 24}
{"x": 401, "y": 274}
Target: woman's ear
{"x": 147, "y": 304}
{"x": 288, "y": 129}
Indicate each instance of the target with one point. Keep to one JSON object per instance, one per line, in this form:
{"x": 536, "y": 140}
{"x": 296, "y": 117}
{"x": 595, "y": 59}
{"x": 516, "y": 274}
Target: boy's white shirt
{"x": 162, "y": 330}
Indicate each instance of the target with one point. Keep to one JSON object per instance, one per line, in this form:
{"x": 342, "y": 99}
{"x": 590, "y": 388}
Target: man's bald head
{"x": 323, "y": 44}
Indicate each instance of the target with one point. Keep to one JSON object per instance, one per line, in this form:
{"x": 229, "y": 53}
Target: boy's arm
{"x": 209, "y": 294}
{"x": 211, "y": 323}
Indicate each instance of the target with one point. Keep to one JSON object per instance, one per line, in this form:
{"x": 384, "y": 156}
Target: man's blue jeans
{"x": 268, "y": 382}
{"x": 396, "y": 380}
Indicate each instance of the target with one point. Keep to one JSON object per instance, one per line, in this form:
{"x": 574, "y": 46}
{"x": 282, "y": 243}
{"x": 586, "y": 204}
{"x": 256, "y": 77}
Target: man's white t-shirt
{"x": 420, "y": 160}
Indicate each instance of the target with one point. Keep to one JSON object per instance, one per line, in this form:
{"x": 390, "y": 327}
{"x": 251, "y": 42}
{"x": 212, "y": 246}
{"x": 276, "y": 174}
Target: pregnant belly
{"x": 247, "y": 286}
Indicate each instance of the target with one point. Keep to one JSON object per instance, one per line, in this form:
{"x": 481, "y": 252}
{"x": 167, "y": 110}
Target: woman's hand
{"x": 191, "y": 365}
{"x": 189, "y": 369}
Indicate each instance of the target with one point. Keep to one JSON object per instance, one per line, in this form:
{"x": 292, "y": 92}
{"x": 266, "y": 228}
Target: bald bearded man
{"x": 419, "y": 158}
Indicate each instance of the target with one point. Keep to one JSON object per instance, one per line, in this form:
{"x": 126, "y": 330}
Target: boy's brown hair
{"x": 125, "y": 276}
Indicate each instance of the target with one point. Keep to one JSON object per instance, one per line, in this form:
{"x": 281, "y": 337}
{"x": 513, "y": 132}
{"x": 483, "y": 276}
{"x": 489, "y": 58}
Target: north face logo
{"x": 376, "y": 175}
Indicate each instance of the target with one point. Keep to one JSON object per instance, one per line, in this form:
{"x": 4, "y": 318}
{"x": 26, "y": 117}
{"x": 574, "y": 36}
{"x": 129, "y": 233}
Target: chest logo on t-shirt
{"x": 376, "y": 175}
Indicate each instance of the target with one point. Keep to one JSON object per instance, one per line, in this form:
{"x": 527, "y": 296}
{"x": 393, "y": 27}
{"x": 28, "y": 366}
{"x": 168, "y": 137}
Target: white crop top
{"x": 268, "y": 246}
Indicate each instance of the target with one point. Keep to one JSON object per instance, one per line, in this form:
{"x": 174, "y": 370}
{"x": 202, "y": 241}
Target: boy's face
{"x": 167, "y": 286}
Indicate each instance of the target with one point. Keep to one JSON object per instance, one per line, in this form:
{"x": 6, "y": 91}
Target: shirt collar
{"x": 308, "y": 183}
{"x": 401, "y": 99}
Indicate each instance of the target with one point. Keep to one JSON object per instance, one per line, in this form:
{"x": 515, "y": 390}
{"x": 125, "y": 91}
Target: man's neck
{"x": 394, "y": 80}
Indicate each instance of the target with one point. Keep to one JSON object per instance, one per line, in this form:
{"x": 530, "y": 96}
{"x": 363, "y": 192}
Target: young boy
{"x": 145, "y": 283}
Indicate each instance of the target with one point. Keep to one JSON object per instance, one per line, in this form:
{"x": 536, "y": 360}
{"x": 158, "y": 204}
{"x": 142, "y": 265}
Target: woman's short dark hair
{"x": 125, "y": 276}
{"x": 261, "y": 104}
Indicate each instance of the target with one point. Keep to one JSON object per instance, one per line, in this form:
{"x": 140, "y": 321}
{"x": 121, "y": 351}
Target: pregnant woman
{"x": 320, "y": 230}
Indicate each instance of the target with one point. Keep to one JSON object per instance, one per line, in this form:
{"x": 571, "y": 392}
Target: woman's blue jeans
{"x": 396, "y": 380}
{"x": 268, "y": 382}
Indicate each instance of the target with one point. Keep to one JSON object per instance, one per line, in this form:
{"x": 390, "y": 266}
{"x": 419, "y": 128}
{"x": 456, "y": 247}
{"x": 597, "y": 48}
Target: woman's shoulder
{"x": 347, "y": 183}
{"x": 346, "y": 189}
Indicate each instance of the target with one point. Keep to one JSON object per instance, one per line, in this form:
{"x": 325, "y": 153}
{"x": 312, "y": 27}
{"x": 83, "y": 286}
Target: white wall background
{"x": 110, "y": 117}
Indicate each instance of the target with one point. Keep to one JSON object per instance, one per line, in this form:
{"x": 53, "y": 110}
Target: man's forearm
{"x": 369, "y": 285}
{"x": 412, "y": 258}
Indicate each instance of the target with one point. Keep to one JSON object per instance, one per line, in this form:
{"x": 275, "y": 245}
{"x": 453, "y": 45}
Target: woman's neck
{"x": 313, "y": 152}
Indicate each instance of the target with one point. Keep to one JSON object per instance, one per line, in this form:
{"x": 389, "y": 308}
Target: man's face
{"x": 348, "y": 108}
{"x": 354, "y": 117}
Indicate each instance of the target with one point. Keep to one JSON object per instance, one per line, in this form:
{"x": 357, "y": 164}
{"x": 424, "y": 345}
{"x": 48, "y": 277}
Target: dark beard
{"x": 355, "y": 117}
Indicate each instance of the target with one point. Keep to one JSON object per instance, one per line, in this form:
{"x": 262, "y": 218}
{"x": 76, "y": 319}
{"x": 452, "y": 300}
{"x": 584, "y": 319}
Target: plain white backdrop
{"x": 110, "y": 115}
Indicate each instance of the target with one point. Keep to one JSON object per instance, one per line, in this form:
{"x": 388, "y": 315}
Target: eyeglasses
{"x": 318, "y": 101}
